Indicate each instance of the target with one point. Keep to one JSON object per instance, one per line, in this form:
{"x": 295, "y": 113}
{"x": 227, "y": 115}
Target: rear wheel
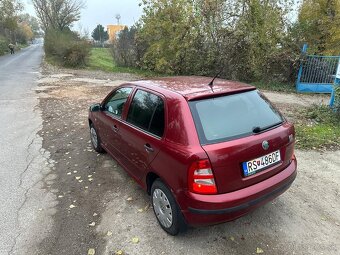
{"x": 166, "y": 209}
{"x": 95, "y": 140}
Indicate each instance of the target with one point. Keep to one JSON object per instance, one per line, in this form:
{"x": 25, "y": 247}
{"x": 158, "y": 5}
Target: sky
{"x": 102, "y": 12}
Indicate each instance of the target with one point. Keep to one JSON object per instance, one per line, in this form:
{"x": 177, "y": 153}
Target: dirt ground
{"x": 100, "y": 207}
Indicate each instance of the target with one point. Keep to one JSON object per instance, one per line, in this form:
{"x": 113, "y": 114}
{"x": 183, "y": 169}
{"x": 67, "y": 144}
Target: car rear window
{"x": 233, "y": 116}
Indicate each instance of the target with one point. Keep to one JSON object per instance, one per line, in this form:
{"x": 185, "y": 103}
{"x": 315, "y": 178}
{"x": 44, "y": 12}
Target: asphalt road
{"x": 23, "y": 163}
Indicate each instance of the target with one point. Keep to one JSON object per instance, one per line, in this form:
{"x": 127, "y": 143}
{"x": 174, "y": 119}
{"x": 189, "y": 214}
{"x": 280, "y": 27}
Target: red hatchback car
{"x": 205, "y": 153}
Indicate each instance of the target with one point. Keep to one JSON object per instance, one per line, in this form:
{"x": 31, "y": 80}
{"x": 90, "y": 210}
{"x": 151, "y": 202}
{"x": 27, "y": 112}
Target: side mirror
{"x": 95, "y": 108}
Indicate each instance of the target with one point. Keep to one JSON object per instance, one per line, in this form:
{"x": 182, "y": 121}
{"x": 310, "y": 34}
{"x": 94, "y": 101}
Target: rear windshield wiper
{"x": 260, "y": 129}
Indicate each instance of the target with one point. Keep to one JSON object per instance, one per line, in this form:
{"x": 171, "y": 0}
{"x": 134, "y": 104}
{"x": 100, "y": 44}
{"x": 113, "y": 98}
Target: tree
{"x": 9, "y": 10}
{"x": 319, "y": 22}
{"x": 32, "y": 22}
{"x": 57, "y": 14}
{"x": 124, "y": 50}
{"x": 207, "y": 36}
{"x": 168, "y": 34}
{"x": 99, "y": 34}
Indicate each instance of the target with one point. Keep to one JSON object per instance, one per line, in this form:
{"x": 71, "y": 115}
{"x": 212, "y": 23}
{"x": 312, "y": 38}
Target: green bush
{"x": 3, "y": 45}
{"x": 66, "y": 48}
{"x": 337, "y": 101}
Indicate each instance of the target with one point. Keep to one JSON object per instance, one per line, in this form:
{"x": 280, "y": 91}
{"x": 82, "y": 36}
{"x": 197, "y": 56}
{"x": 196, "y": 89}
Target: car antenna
{"x": 211, "y": 84}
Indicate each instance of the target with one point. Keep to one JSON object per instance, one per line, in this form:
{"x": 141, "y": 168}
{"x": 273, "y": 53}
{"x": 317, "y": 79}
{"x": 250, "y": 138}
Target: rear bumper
{"x": 201, "y": 210}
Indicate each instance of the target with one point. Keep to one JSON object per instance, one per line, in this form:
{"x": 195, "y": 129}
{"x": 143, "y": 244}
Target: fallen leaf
{"x": 69, "y": 173}
{"x": 135, "y": 240}
{"x": 75, "y": 171}
{"x": 95, "y": 214}
{"x": 92, "y": 224}
{"x": 72, "y": 206}
{"x": 78, "y": 177}
{"x": 109, "y": 233}
{"x": 259, "y": 250}
{"x": 80, "y": 181}
{"x": 129, "y": 199}
{"x": 90, "y": 175}
{"x": 90, "y": 179}
{"x": 91, "y": 252}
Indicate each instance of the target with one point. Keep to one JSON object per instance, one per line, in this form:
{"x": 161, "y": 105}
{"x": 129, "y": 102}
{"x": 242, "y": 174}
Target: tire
{"x": 166, "y": 209}
{"x": 95, "y": 140}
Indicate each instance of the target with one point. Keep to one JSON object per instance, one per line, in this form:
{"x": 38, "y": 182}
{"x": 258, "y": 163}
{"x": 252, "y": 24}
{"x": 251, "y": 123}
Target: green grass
{"x": 275, "y": 86}
{"x": 319, "y": 128}
{"x": 101, "y": 59}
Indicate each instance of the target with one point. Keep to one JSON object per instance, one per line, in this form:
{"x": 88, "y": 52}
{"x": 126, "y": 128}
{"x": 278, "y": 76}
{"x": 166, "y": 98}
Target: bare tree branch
{"x": 58, "y": 14}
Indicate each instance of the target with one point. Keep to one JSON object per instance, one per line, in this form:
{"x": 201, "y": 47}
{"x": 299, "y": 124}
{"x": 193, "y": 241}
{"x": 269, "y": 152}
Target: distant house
{"x": 113, "y": 30}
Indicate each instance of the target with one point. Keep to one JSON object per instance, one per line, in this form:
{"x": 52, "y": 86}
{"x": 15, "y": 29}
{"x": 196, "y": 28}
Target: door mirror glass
{"x": 95, "y": 108}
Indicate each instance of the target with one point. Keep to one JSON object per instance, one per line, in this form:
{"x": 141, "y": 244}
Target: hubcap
{"x": 94, "y": 137}
{"x": 162, "y": 208}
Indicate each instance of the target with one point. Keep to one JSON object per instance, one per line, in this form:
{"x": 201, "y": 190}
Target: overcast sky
{"x": 103, "y": 12}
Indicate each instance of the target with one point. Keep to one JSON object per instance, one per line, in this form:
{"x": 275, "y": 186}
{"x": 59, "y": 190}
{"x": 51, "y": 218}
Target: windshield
{"x": 233, "y": 116}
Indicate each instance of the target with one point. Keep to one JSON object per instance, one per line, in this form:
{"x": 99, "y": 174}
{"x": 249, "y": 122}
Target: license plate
{"x": 258, "y": 164}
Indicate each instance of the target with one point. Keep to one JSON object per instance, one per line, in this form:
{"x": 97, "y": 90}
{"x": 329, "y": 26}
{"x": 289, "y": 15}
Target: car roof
{"x": 195, "y": 87}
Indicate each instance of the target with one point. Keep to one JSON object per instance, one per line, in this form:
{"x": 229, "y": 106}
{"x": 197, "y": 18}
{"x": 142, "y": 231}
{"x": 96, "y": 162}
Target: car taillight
{"x": 201, "y": 178}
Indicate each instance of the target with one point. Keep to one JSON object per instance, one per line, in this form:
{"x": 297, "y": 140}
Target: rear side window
{"x": 147, "y": 112}
{"x": 233, "y": 116}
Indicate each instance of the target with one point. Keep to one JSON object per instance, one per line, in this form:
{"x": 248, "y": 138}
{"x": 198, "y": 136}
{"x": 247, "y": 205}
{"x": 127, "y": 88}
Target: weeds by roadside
{"x": 318, "y": 128}
{"x": 275, "y": 86}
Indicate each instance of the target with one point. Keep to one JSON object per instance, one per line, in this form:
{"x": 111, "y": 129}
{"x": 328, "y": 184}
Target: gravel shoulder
{"x": 100, "y": 207}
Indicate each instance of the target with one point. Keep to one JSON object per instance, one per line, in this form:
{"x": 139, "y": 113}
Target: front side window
{"x": 147, "y": 112}
{"x": 233, "y": 116}
{"x": 114, "y": 105}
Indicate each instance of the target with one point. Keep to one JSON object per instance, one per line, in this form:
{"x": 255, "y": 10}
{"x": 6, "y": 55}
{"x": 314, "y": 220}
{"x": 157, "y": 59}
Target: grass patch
{"x": 318, "y": 128}
{"x": 101, "y": 59}
{"x": 275, "y": 86}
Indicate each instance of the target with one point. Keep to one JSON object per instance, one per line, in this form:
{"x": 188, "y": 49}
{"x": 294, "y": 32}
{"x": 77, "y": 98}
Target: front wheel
{"x": 166, "y": 209}
{"x": 95, "y": 140}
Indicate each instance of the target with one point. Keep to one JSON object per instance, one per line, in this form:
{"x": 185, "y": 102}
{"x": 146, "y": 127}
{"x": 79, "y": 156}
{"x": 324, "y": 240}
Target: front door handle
{"x": 148, "y": 147}
{"x": 115, "y": 128}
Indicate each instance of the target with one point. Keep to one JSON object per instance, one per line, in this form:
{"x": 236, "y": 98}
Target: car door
{"x": 110, "y": 119}
{"x": 142, "y": 132}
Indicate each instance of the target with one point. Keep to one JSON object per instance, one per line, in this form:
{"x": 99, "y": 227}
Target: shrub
{"x": 124, "y": 48}
{"x": 3, "y": 45}
{"x": 66, "y": 48}
{"x": 337, "y": 101}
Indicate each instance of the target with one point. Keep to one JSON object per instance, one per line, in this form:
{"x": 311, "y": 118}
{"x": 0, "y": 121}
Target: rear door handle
{"x": 148, "y": 147}
{"x": 115, "y": 128}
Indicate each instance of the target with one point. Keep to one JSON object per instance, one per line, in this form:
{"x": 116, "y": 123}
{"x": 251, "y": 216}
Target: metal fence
{"x": 317, "y": 74}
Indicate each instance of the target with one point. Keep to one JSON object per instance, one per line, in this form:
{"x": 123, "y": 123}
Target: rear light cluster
{"x": 201, "y": 178}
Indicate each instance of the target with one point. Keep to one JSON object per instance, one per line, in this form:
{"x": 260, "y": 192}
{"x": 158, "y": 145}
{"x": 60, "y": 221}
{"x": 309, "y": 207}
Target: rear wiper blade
{"x": 260, "y": 129}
